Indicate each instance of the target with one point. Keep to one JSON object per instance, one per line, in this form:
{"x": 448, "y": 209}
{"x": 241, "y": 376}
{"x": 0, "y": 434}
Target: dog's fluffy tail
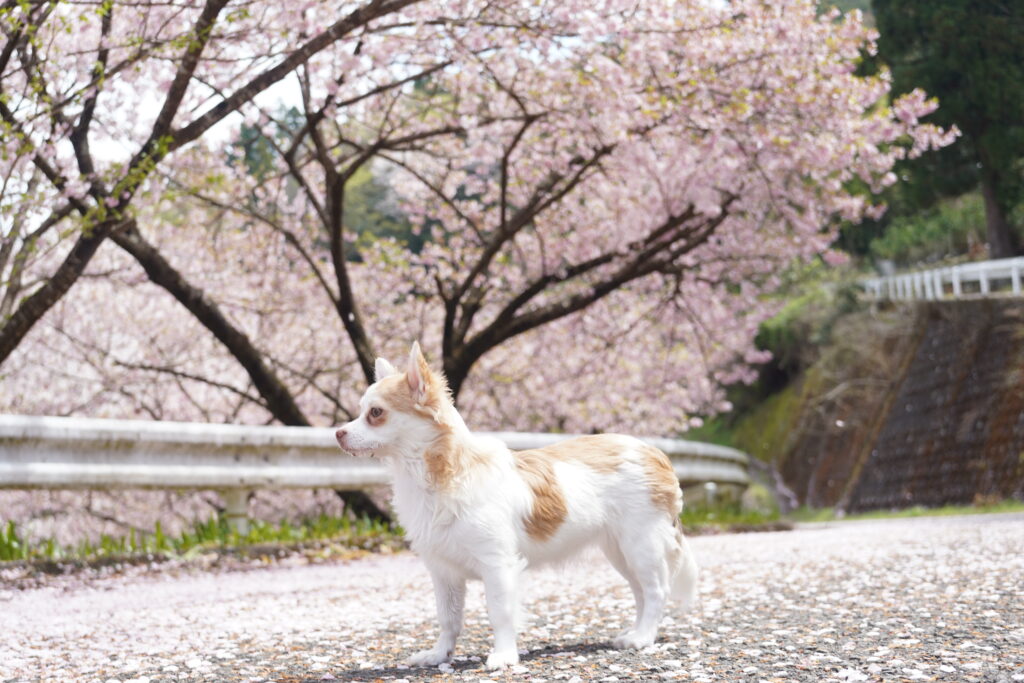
{"x": 684, "y": 575}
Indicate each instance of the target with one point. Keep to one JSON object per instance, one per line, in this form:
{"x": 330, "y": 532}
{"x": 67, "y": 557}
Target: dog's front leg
{"x": 500, "y": 587}
{"x": 450, "y": 594}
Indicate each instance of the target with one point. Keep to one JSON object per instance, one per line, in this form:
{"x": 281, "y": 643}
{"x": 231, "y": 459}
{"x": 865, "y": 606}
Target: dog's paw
{"x": 631, "y": 640}
{"x": 431, "y": 657}
{"x": 499, "y": 660}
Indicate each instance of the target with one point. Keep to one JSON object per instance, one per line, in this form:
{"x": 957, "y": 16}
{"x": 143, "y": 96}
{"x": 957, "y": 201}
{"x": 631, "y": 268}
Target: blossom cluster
{"x": 609, "y": 191}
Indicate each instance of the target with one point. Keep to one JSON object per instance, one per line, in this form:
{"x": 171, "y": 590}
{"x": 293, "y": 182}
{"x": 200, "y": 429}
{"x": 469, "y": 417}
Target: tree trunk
{"x": 998, "y": 235}
{"x": 360, "y": 505}
{"x": 456, "y": 375}
{"x": 43, "y": 299}
{"x": 275, "y": 394}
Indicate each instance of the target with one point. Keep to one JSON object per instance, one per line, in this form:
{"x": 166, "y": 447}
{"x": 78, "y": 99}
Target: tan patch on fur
{"x": 549, "y": 508}
{"x": 440, "y": 460}
{"x": 447, "y": 458}
{"x": 661, "y": 479}
{"x": 599, "y": 452}
{"x": 394, "y": 391}
{"x": 443, "y": 459}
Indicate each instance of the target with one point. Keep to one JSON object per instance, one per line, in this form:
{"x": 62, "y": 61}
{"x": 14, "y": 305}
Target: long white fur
{"x": 475, "y": 528}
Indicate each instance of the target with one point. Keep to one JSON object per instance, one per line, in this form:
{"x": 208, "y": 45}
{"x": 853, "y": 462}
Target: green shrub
{"x": 951, "y": 228}
{"x": 213, "y": 533}
{"x": 700, "y": 518}
{"x": 11, "y": 545}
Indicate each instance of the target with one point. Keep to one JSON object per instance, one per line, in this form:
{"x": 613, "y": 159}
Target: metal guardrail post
{"x": 236, "y": 509}
{"x": 710, "y": 493}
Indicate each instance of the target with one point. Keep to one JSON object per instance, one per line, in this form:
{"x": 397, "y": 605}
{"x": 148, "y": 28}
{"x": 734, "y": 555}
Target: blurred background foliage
{"x": 966, "y": 200}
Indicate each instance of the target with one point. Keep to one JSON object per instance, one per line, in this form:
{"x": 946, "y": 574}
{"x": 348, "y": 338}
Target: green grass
{"x": 701, "y": 518}
{"x": 364, "y": 534}
{"x": 829, "y": 514}
{"x": 212, "y": 534}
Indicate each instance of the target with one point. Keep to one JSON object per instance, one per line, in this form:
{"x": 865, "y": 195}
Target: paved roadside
{"x": 916, "y": 599}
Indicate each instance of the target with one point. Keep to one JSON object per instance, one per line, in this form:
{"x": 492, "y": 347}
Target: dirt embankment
{"x": 919, "y": 404}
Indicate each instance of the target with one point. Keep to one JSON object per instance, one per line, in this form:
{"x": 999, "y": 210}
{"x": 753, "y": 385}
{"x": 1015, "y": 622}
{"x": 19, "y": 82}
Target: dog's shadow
{"x": 422, "y": 673}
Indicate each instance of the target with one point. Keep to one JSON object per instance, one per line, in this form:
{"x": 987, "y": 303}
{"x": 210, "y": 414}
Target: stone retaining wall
{"x": 912, "y": 404}
{"x": 954, "y": 432}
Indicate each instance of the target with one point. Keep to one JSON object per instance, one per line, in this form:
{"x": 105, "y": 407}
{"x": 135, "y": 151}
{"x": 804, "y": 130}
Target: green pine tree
{"x": 970, "y": 54}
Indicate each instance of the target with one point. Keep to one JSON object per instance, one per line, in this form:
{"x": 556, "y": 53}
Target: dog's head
{"x": 400, "y": 412}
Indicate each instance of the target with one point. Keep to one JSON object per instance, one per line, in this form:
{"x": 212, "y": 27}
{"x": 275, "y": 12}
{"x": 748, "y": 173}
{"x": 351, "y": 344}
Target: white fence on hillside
{"x": 78, "y": 453}
{"x": 966, "y": 280}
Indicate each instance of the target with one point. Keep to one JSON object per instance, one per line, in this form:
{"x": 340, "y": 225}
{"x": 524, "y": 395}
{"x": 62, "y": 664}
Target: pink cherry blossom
{"x": 610, "y": 189}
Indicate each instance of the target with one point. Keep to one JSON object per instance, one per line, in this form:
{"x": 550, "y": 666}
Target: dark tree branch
{"x": 187, "y": 67}
{"x": 554, "y": 188}
{"x": 13, "y": 40}
{"x": 334, "y": 217}
{"x": 161, "y": 142}
{"x": 13, "y": 286}
{"x": 51, "y": 174}
{"x": 274, "y": 225}
{"x": 32, "y": 309}
{"x": 276, "y": 395}
{"x": 334, "y": 210}
{"x": 310, "y": 379}
{"x": 174, "y": 372}
{"x": 657, "y": 252}
{"x": 359, "y": 17}
{"x": 80, "y": 133}
{"x": 392, "y": 85}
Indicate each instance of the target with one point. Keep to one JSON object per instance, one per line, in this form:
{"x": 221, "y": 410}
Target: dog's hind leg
{"x": 646, "y": 557}
{"x": 611, "y": 550}
{"x": 450, "y": 594}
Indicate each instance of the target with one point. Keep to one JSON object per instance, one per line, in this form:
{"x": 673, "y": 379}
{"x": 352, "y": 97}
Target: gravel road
{"x": 921, "y": 599}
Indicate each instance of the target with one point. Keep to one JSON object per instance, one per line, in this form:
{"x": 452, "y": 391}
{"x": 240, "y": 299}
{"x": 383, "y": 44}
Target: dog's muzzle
{"x": 341, "y": 435}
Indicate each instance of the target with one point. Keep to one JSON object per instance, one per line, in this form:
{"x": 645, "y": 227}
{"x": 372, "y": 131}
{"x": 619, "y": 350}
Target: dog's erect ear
{"x": 417, "y": 374}
{"x": 382, "y": 368}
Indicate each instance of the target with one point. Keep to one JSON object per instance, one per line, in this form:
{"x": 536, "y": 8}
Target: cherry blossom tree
{"x": 608, "y": 189}
{"x": 95, "y": 96}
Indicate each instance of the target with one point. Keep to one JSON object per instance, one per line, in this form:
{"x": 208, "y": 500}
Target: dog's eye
{"x": 376, "y": 412}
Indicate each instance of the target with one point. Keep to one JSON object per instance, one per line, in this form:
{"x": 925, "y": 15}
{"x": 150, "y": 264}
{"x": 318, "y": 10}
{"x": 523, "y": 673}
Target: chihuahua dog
{"x": 473, "y": 509}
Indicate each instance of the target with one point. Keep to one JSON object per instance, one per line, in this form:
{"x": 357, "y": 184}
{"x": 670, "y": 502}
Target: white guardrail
{"x": 80, "y": 453}
{"x": 966, "y": 280}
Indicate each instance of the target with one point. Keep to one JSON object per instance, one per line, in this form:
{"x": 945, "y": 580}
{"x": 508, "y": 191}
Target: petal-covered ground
{"x": 921, "y": 599}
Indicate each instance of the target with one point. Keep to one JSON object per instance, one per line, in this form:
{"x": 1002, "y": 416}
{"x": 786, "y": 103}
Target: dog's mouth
{"x": 360, "y": 452}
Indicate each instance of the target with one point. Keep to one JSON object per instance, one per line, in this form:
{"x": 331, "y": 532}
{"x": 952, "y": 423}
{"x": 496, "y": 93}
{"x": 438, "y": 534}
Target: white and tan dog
{"x": 473, "y": 509}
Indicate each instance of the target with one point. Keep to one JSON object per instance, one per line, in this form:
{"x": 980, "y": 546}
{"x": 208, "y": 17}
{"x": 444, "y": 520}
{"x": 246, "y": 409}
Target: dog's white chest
{"x": 423, "y": 515}
{"x": 439, "y": 528}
